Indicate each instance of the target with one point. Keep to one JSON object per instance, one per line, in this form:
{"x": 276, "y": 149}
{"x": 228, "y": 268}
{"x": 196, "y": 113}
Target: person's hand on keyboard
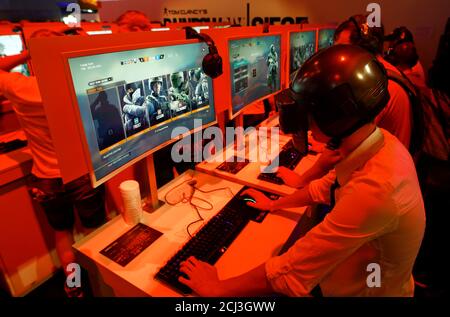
{"x": 289, "y": 177}
{"x": 202, "y": 277}
{"x": 258, "y": 200}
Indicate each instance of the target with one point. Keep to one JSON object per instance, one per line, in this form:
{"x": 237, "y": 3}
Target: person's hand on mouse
{"x": 261, "y": 201}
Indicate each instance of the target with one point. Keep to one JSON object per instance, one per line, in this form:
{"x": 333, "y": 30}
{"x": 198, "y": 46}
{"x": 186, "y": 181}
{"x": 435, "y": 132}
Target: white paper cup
{"x": 132, "y": 205}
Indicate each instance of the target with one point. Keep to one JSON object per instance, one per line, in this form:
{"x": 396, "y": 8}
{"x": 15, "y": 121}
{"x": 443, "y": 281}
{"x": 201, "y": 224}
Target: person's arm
{"x": 300, "y": 198}
{"x": 326, "y": 162}
{"x": 260, "y": 201}
{"x": 317, "y": 191}
{"x": 355, "y": 220}
{"x": 9, "y": 62}
{"x": 364, "y": 213}
{"x": 19, "y": 88}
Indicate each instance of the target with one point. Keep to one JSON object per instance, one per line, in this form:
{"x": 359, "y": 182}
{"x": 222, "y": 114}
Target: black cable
{"x": 191, "y": 197}
{"x": 200, "y": 218}
{"x": 213, "y": 190}
{"x": 172, "y": 189}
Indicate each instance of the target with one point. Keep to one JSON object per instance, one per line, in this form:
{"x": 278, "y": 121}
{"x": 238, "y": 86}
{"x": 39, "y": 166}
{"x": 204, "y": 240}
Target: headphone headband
{"x": 212, "y": 62}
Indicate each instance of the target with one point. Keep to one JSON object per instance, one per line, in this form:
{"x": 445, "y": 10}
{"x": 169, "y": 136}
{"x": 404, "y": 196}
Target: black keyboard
{"x": 289, "y": 157}
{"x": 213, "y": 239}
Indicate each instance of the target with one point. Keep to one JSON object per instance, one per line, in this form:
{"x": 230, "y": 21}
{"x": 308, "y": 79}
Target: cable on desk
{"x": 188, "y": 199}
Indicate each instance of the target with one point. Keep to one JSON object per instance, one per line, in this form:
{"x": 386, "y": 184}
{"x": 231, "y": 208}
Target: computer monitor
{"x": 129, "y": 101}
{"x": 11, "y": 44}
{"x": 302, "y": 45}
{"x": 255, "y": 69}
{"x": 326, "y": 38}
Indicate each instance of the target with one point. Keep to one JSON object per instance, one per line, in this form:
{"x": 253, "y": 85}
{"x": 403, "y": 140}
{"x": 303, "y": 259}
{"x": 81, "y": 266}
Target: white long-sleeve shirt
{"x": 378, "y": 218}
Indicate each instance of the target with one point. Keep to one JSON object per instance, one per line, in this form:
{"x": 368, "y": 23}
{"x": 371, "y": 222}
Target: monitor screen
{"x": 302, "y": 45}
{"x": 254, "y": 69}
{"x": 325, "y": 38}
{"x": 12, "y": 45}
{"x": 130, "y": 101}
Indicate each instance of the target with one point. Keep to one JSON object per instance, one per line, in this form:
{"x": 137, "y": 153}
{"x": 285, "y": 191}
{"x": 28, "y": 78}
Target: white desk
{"x": 255, "y": 244}
{"x": 249, "y": 174}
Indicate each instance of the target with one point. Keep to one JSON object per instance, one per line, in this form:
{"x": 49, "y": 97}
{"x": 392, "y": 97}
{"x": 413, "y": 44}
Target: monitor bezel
{"x": 80, "y": 127}
{"x": 226, "y": 56}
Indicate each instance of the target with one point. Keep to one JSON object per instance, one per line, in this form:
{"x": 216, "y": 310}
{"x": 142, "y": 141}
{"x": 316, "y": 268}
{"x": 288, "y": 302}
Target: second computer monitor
{"x": 302, "y": 45}
{"x": 326, "y": 38}
{"x": 254, "y": 69}
{"x": 11, "y": 44}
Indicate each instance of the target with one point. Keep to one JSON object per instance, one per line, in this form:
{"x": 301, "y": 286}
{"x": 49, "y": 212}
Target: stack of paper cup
{"x": 132, "y": 206}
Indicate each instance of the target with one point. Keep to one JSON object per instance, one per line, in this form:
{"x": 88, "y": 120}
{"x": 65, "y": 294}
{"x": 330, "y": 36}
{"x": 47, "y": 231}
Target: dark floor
{"x": 53, "y": 288}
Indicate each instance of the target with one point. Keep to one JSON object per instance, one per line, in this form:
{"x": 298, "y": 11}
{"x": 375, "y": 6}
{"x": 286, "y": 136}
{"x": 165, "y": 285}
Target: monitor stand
{"x": 151, "y": 203}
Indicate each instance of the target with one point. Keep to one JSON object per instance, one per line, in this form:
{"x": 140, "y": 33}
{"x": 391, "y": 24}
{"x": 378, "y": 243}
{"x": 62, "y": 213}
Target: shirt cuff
{"x": 276, "y": 269}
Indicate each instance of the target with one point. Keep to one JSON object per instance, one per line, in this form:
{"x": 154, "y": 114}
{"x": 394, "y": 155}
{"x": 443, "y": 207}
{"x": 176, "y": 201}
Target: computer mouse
{"x": 247, "y": 198}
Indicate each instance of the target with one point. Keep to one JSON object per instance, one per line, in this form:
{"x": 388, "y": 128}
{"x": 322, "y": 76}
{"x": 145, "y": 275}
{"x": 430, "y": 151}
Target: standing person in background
{"x": 133, "y": 21}
{"x": 45, "y": 184}
{"x": 396, "y": 117}
{"x": 434, "y": 171}
{"x": 402, "y": 53}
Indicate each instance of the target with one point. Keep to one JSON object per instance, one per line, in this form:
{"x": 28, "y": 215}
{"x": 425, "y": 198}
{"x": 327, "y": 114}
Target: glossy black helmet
{"x": 341, "y": 88}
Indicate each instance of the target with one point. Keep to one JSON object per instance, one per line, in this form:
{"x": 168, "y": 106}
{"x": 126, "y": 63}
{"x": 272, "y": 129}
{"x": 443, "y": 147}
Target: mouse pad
{"x": 129, "y": 245}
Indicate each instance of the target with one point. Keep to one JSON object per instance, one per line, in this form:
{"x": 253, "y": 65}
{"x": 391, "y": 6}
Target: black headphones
{"x": 212, "y": 62}
{"x": 400, "y": 36}
{"x": 365, "y": 37}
